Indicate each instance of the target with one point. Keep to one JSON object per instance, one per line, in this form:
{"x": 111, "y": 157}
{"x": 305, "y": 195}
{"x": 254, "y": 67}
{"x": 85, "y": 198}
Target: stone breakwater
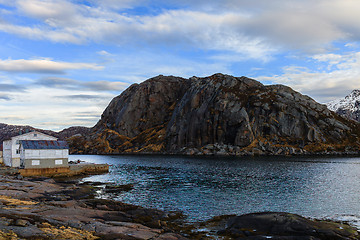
{"x": 45, "y": 208}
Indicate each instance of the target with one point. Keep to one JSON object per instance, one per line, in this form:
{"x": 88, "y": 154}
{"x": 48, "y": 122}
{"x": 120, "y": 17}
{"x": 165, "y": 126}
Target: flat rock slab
{"x": 285, "y": 226}
{"x": 30, "y": 209}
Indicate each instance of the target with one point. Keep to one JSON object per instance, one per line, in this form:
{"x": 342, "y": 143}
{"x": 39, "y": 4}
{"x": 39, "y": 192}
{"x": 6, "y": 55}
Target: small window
{"x": 17, "y": 151}
{"x": 35, "y": 162}
{"x": 58, "y": 162}
{"x": 35, "y": 134}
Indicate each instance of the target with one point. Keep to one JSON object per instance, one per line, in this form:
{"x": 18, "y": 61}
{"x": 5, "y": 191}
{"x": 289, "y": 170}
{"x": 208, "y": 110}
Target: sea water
{"x": 204, "y": 187}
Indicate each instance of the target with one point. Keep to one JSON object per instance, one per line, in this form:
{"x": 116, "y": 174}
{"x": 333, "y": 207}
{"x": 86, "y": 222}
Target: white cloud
{"x": 323, "y": 85}
{"x": 104, "y": 53}
{"x": 42, "y": 107}
{"x": 47, "y": 10}
{"x": 139, "y": 67}
{"x": 254, "y": 28}
{"x": 4, "y": 96}
{"x": 71, "y": 84}
{"x": 104, "y": 85}
{"x": 43, "y": 66}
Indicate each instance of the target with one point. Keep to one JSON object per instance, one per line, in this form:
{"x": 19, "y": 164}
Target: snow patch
{"x": 351, "y": 102}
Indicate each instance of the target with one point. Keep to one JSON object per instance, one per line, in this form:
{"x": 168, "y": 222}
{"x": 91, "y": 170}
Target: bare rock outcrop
{"x": 45, "y": 209}
{"x": 279, "y": 225}
{"x": 220, "y": 114}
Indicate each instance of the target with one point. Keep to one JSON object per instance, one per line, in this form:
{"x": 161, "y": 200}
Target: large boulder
{"x": 273, "y": 225}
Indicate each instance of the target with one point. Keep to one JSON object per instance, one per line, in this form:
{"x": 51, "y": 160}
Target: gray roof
{"x": 43, "y": 144}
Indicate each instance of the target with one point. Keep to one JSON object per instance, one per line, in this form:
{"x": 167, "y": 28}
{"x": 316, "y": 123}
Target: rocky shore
{"x": 44, "y": 208}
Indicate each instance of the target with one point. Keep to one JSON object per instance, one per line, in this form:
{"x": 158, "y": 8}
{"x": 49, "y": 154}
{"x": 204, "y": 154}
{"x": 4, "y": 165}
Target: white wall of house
{"x": 44, "y": 158}
{"x": 7, "y": 152}
{"x": 11, "y": 147}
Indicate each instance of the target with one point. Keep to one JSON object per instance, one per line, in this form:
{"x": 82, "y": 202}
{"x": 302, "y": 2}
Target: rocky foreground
{"x": 217, "y": 115}
{"x": 47, "y": 209}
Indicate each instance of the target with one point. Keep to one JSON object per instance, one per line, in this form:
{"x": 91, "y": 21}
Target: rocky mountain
{"x": 348, "y": 107}
{"x": 219, "y": 114}
{"x": 8, "y": 131}
{"x": 73, "y": 131}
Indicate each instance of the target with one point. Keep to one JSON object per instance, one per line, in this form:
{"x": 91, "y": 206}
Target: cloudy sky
{"x": 62, "y": 61}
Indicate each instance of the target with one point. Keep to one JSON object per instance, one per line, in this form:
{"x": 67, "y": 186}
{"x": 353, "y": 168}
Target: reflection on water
{"x": 207, "y": 187}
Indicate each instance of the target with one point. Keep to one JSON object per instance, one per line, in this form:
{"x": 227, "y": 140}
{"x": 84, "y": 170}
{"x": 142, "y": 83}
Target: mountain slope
{"x": 348, "y": 106}
{"x": 8, "y": 131}
{"x": 219, "y": 114}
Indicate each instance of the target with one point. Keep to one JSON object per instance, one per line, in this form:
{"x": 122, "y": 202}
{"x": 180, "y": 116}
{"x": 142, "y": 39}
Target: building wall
{"x": 45, "y": 163}
{"x": 44, "y": 158}
{"x": 7, "y": 152}
{"x": 14, "y": 160}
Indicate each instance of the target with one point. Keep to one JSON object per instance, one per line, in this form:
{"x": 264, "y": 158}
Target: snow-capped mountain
{"x": 348, "y": 107}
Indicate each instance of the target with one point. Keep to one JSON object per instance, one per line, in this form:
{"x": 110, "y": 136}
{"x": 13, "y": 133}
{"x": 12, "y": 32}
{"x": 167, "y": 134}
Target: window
{"x": 35, "y": 162}
{"x": 17, "y": 151}
{"x": 58, "y": 162}
{"x": 35, "y": 134}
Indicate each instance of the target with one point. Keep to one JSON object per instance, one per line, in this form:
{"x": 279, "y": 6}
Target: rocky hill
{"x": 73, "y": 131}
{"x": 348, "y": 107}
{"x": 8, "y": 131}
{"x": 220, "y": 115}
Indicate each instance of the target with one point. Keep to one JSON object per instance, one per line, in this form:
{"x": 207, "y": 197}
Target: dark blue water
{"x": 207, "y": 187}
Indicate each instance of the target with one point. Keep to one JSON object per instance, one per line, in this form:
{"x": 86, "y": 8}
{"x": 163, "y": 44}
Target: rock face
{"x": 219, "y": 114}
{"x": 348, "y": 107}
{"x": 73, "y": 131}
{"x": 272, "y": 225}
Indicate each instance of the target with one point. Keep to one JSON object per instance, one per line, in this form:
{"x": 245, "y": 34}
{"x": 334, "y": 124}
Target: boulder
{"x": 278, "y": 225}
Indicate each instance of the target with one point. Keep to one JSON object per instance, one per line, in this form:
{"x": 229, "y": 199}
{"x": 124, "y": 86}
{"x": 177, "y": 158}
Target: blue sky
{"x": 62, "y": 61}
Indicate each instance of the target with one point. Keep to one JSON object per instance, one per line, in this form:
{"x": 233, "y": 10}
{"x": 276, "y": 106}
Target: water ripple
{"x": 207, "y": 187}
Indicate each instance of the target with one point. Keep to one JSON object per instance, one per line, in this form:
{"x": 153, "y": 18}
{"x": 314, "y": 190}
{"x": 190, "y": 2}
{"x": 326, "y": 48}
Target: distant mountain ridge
{"x": 8, "y": 131}
{"x": 348, "y": 107}
{"x": 217, "y": 115}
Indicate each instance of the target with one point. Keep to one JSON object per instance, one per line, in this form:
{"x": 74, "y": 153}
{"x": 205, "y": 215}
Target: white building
{"x": 43, "y": 154}
{"x": 1, "y": 153}
{"x": 11, "y": 147}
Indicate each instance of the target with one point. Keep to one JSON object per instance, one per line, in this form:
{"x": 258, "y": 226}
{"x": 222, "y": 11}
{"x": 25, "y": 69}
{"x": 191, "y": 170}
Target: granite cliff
{"x": 219, "y": 114}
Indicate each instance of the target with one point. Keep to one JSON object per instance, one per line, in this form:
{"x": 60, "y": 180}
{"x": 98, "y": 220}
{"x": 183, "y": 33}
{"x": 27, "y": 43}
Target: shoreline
{"x": 318, "y": 154}
{"x": 66, "y": 209}
{"x": 44, "y": 208}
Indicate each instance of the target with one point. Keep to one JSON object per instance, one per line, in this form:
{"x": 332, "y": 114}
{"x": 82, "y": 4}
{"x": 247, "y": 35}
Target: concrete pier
{"x": 72, "y": 170}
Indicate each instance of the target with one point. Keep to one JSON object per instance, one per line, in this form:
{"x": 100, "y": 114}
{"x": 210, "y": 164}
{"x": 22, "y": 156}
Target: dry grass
{"x": 67, "y": 232}
{"x": 8, "y": 235}
{"x": 8, "y": 201}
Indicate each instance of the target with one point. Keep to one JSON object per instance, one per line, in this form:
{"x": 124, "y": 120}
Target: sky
{"x": 62, "y": 61}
